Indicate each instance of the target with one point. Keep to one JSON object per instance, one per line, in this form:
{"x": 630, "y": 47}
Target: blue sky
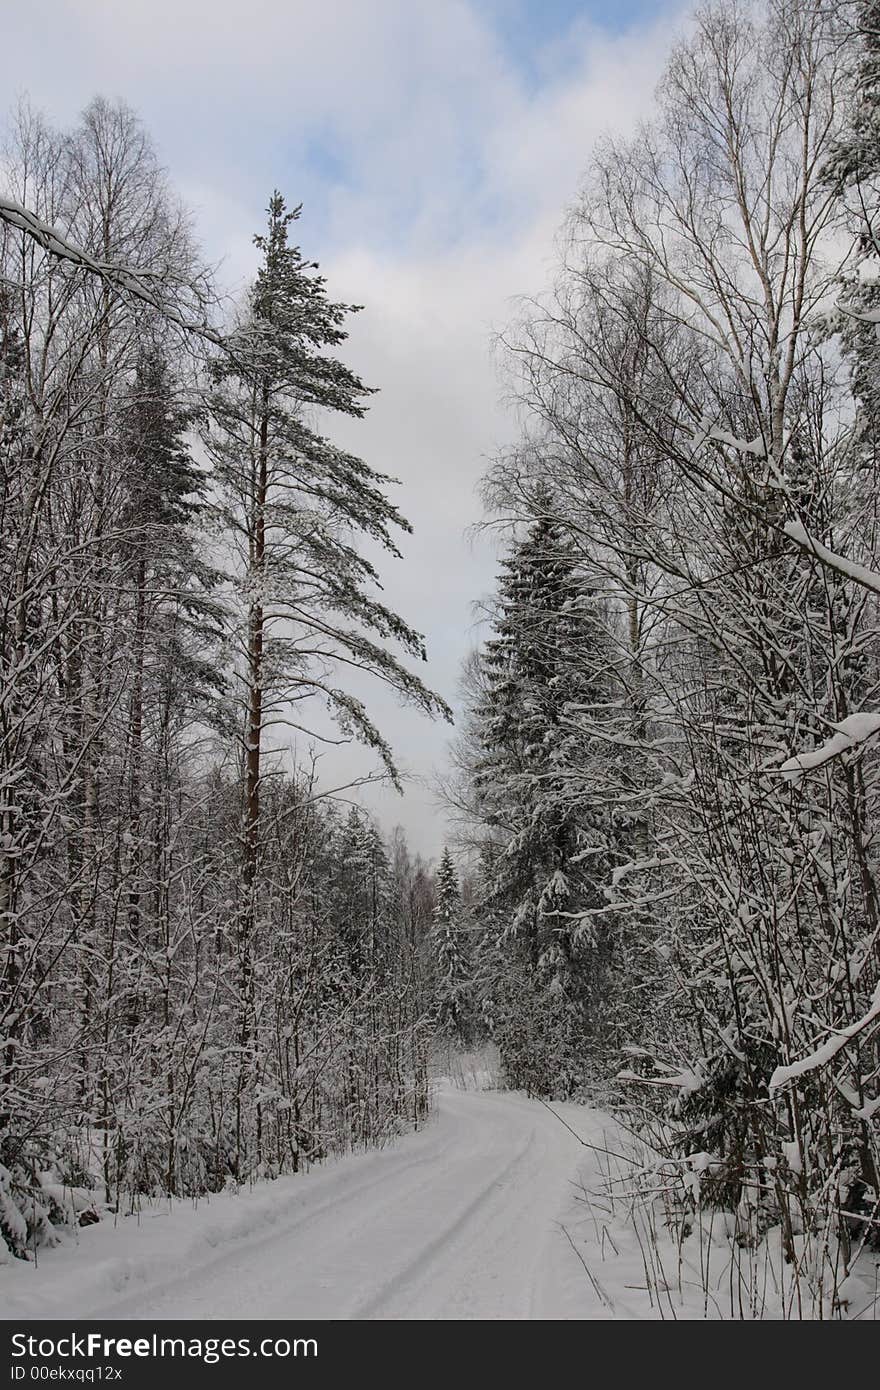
{"x": 347, "y": 102}
{"x": 435, "y": 145}
{"x": 528, "y": 28}
{"x": 534, "y": 40}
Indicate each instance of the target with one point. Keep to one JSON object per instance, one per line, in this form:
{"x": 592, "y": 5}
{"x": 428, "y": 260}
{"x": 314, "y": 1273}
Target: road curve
{"x": 460, "y": 1221}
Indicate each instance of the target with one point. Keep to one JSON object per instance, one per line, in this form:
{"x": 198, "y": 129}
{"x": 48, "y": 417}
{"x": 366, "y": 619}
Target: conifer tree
{"x": 295, "y": 506}
{"x": 17, "y": 733}
{"x": 852, "y": 173}
{"x": 359, "y": 899}
{"x": 451, "y": 957}
{"x": 545, "y": 675}
{"x": 175, "y": 617}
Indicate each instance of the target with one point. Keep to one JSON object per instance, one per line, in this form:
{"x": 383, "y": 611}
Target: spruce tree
{"x": 852, "y": 173}
{"x": 545, "y": 674}
{"x": 17, "y": 732}
{"x": 359, "y": 900}
{"x": 176, "y": 620}
{"x": 451, "y": 963}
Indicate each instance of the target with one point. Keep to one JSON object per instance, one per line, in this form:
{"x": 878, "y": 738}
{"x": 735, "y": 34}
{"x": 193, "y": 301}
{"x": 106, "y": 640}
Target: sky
{"x": 434, "y": 146}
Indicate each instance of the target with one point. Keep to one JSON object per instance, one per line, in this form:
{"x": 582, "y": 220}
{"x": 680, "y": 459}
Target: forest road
{"x": 463, "y": 1220}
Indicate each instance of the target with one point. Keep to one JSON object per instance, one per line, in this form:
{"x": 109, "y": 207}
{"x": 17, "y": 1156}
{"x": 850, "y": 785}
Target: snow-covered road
{"x": 493, "y": 1210}
{"x": 457, "y": 1222}
{"x": 461, "y": 1220}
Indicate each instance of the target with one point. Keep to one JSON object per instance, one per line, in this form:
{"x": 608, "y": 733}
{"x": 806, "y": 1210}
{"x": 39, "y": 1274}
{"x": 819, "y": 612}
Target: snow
{"x": 141, "y": 284}
{"x": 868, "y": 578}
{"x": 756, "y": 447}
{"x": 501, "y": 1208}
{"x": 457, "y": 1221}
{"x": 850, "y": 732}
{"x": 829, "y": 1050}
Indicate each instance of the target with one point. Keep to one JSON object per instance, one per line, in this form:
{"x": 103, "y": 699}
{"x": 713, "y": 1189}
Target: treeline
{"x": 668, "y": 768}
{"x": 208, "y": 973}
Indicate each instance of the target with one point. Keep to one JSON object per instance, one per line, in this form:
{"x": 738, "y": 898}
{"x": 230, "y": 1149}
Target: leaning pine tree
{"x": 294, "y": 505}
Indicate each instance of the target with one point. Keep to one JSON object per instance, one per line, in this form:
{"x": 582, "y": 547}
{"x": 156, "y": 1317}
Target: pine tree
{"x": 294, "y": 504}
{"x": 294, "y": 501}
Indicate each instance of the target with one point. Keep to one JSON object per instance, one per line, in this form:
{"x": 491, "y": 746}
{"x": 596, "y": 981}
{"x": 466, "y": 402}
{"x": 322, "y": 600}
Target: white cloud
{"x": 434, "y": 177}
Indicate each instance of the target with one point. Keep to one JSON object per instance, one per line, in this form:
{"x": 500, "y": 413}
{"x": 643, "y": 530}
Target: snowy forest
{"x": 661, "y": 892}
{"x": 210, "y": 971}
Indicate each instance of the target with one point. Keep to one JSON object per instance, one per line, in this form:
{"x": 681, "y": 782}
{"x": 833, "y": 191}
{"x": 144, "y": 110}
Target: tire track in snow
{"x": 418, "y": 1270}
{"x": 460, "y": 1220}
{"x": 151, "y": 1297}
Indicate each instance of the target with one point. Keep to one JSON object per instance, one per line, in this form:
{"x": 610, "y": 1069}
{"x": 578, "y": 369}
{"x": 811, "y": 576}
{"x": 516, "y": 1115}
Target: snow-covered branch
{"x": 860, "y": 574}
{"x": 828, "y": 1050}
{"x": 143, "y": 285}
{"x": 849, "y": 733}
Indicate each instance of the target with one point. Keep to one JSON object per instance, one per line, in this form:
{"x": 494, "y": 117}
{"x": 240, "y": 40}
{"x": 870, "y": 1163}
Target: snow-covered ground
{"x": 494, "y": 1210}
{"x": 457, "y": 1221}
